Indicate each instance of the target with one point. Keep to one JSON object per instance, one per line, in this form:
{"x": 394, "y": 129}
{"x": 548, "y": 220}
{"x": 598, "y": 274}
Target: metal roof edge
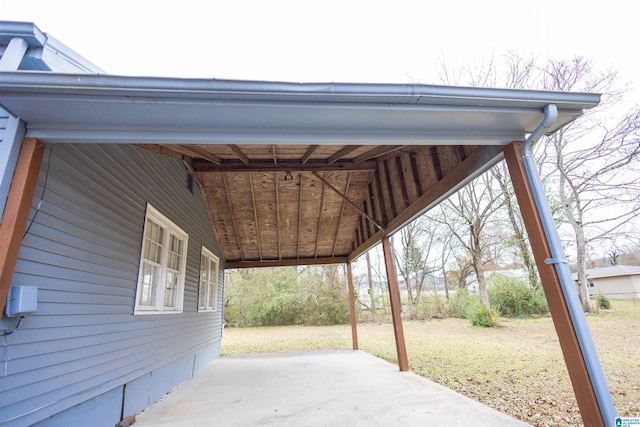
{"x": 27, "y": 81}
{"x": 24, "y": 30}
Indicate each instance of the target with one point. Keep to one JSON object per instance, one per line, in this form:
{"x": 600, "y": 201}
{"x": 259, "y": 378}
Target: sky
{"x": 371, "y": 41}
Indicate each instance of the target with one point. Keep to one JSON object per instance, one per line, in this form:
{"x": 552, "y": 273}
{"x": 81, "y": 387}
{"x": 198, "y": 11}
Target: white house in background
{"x": 615, "y": 282}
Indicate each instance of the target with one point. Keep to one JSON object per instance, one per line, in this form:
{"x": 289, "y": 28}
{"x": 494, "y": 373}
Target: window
{"x": 162, "y": 265}
{"x": 590, "y": 283}
{"x": 208, "y": 292}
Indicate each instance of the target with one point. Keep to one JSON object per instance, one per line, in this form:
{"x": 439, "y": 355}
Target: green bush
{"x": 285, "y": 296}
{"x": 513, "y": 298}
{"x": 484, "y": 317}
{"x": 603, "y": 302}
{"x": 460, "y": 304}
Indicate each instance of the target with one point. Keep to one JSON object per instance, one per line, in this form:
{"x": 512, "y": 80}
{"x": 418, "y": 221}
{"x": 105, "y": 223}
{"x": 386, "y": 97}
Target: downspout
{"x": 559, "y": 260}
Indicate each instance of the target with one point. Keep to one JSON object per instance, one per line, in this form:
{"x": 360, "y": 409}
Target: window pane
{"x": 175, "y": 252}
{"x": 213, "y": 284}
{"x": 212, "y": 296}
{"x": 153, "y": 240}
{"x": 171, "y": 289}
{"x": 149, "y": 285}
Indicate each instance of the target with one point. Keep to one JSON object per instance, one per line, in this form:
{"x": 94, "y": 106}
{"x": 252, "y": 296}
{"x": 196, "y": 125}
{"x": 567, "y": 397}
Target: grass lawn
{"x": 516, "y": 368}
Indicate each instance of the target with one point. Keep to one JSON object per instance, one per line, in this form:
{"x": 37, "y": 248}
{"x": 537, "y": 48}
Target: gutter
{"x": 559, "y": 260}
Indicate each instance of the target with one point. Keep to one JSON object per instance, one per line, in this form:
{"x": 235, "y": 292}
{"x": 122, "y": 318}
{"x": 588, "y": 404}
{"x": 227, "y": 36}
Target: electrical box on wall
{"x": 22, "y": 300}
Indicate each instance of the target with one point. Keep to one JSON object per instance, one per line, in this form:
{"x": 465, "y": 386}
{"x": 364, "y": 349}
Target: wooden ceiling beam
{"x": 166, "y": 151}
{"x": 282, "y": 166}
{"x": 487, "y": 155}
{"x": 299, "y": 216}
{"x": 377, "y": 223}
{"x": 377, "y": 152}
{"x": 275, "y": 179}
{"x": 307, "y": 155}
{"x": 233, "y": 215}
{"x": 243, "y": 157}
{"x": 335, "y": 236}
{"x": 435, "y": 159}
{"x": 286, "y": 262}
{"x": 196, "y": 151}
{"x": 345, "y": 151}
{"x": 255, "y": 216}
{"x": 315, "y": 251}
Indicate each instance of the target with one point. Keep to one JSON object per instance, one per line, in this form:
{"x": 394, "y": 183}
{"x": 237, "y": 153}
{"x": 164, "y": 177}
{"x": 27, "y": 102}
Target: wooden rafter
{"x": 255, "y": 216}
{"x": 368, "y": 208}
{"x": 307, "y": 155}
{"x": 435, "y": 160}
{"x": 287, "y": 262}
{"x": 383, "y": 180}
{"x": 196, "y": 151}
{"x": 345, "y": 151}
{"x": 299, "y": 217}
{"x": 344, "y": 197}
{"x": 243, "y": 157}
{"x": 164, "y": 150}
{"x": 282, "y": 166}
{"x": 407, "y": 171}
{"x": 233, "y": 215}
{"x": 376, "y": 152}
{"x": 486, "y": 155}
{"x": 277, "y": 185}
{"x": 344, "y": 201}
{"x": 321, "y": 205}
{"x": 461, "y": 153}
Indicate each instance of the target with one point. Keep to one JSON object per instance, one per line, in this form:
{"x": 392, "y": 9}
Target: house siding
{"x": 617, "y": 287}
{"x": 82, "y": 251}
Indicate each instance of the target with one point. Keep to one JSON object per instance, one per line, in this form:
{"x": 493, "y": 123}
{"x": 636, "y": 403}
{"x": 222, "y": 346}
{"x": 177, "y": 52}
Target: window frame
{"x": 170, "y": 229}
{"x": 206, "y": 296}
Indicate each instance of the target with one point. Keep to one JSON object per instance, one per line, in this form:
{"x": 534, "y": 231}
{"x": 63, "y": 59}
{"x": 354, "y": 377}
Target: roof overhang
{"x": 367, "y": 158}
{"x": 111, "y": 109}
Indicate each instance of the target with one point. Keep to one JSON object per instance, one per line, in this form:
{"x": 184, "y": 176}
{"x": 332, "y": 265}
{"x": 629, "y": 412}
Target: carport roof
{"x": 294, "y": 173}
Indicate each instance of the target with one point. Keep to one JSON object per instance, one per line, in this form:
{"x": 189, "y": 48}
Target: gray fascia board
{"x": 97, "y": 108}
{"x": 306, "y": 92}
{"x": 24, "y": 30}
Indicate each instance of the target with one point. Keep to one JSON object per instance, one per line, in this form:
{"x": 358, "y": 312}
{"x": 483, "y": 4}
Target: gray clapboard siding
{"x": 82, "y": 251}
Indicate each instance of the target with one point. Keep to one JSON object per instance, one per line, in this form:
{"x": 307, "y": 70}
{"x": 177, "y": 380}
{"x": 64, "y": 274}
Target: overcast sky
{"x": 330, "y": 41}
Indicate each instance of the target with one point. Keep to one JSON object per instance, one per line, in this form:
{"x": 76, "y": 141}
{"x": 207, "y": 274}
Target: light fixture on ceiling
{"x": 288, "y": 176}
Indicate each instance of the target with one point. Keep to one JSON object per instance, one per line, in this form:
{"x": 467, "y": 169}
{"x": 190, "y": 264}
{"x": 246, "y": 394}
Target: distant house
{"x": 430, "y": 283}
{"x": 615, "y": 282}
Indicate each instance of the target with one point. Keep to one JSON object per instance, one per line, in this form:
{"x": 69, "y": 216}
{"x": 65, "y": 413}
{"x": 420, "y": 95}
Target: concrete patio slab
{"x": 315, "y": 388}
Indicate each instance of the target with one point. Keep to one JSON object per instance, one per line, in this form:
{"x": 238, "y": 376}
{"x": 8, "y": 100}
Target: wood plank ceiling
{"x": 309, "y": 204}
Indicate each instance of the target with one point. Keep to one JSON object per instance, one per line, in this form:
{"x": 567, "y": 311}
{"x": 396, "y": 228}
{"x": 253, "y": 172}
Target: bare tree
{"x": 519, "y": 237}
{"x": 468, "y": 214}
{"x": 594, "y": 162}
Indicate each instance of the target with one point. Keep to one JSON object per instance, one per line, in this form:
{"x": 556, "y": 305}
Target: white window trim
{"x": 170, "y": 229}
{"x": 204, "y": 307}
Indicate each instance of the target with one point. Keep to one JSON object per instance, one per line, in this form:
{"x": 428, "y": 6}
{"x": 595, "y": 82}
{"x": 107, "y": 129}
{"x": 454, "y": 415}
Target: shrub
{"x": 513, "y": 298}
{"x": 481, "y": 316}
{"x": 603, "y": 302}
{"x": 460, "y": 303}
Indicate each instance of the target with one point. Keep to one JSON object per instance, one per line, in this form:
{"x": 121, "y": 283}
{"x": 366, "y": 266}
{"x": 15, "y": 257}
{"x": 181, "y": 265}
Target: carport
{"x": 318, "y": 388}
{"x": 298, "y": 174}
